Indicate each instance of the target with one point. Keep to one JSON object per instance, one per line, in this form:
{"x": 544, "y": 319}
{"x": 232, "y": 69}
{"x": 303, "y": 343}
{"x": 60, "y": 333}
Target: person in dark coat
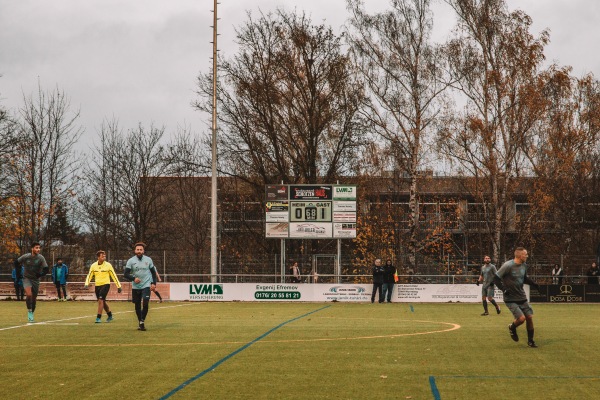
{"x": 377, "y": 280}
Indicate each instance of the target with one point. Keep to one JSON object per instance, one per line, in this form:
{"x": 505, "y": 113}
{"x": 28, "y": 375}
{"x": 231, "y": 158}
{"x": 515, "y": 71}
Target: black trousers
{"x": 376, "y": 287}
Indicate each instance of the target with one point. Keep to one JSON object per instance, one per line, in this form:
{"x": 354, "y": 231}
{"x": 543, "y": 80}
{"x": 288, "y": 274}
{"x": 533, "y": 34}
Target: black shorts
{"x": 137, "y": 295}
{"x": 102, "y": 291}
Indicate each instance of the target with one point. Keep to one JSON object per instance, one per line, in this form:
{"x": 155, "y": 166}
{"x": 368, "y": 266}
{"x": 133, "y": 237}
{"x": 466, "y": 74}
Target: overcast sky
{"x": 138, "y": 60}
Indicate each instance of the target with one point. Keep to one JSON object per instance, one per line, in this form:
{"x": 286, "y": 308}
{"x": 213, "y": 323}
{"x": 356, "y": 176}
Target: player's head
{"x": 521, "y": 254}
{"x": 101, "y": 254}
{"x": 378, "y": 261}
{"x": 36, "y": 248}
{"x": 487, "y": 259}
{"x": 139, "y": 248}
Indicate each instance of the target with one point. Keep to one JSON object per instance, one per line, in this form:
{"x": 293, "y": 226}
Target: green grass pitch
{"x": 297, "y": 351}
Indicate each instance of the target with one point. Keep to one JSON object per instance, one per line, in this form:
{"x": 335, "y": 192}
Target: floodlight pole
{"x": 213, "y": 192}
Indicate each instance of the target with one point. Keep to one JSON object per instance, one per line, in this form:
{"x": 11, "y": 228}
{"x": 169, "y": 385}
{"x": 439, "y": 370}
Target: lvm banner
{"x": 323, "y": 292}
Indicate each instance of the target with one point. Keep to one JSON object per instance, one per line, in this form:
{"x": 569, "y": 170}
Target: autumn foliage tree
{"x": 497, "y": 63}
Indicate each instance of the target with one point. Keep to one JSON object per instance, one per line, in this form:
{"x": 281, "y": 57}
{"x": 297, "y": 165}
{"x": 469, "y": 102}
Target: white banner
{"x": 310, "y": 230}
{"x": 325, "y": 292}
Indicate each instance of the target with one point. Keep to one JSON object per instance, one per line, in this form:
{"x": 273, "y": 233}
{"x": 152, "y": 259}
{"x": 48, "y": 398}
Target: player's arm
{"x": 498, "y": 278}
{"x": 45, "y": 268}
{"x": 153, "y": 272}
{"x": 127, "y": 273}
{"x": 89, "y": 276}
{"x": 530, "y": 282}
{"x": 113, "y": 276}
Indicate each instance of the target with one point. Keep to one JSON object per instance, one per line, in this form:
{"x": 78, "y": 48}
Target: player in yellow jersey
{"x": 103, "y": 272}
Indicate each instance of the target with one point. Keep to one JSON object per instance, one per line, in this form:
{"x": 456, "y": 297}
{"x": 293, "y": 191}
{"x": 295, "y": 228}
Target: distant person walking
{"x": 377, "y": 272}
{"x": 35, "y": 267}
{"x": 60, "y": 273}
{"x": 488, "y": 272}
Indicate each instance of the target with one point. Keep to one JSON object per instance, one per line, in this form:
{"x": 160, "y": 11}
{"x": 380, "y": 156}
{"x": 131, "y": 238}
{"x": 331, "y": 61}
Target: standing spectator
{"x": 488, "y": 272}
{"x": 35, "y": 268}
{"x": 592, "y": 274}
{"x": 141, "y": 273}
{"x": 389, "y": 271}
{"x": 102, "y": 272}
{"x": 60, "y": 273}
{"x": 295, "y": 273}
{"x": 557, "y": 274}
{"x": 510, "y": 279}
{"x": 377, "y": 280}
{"x": 17, "y": 277}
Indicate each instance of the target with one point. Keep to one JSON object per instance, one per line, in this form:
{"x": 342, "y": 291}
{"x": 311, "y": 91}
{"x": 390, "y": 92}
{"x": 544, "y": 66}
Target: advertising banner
{"x": 269, "y": 292}
{"x": 310, "y": 192}
{"x": 277, "y": 211}
{"x": 344, "y": 230}
{"x": 344, "y": 217}
{"x": 277, "y": 230}
{"x": 344, "y": 192}
{"x": 308, "y": 230}
{"x": 344, "y": 206}
{"x": 276, "y": 192}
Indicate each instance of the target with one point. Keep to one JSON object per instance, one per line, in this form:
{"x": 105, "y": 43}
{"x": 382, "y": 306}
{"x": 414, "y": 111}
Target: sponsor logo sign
{"x": 344, "y": 192}
{"x": 204, "y": 291}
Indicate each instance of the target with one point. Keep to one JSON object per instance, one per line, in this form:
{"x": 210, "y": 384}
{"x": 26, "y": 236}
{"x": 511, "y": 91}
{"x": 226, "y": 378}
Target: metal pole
{"x": 213, "y": 192}
{"x": 338, "y": 267}
{"x": 282, "y": 260}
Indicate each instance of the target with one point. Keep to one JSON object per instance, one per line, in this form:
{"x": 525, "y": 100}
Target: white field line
{"x": 55, "y": 322}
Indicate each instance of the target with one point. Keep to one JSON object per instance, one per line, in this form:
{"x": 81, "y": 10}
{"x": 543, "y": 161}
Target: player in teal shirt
{"x": 141, "y": 273}
{"x": 488, "y": 272}
{"x": 510, "y": 279}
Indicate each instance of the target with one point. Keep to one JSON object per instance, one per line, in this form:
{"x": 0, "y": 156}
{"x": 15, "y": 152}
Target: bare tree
{"x": 288, "y": 103}
{"x": 404, "y": 74}
{"x": 44, "y": 165}
{"x": 497, "y": 60}
{"x": 121, "y": 201}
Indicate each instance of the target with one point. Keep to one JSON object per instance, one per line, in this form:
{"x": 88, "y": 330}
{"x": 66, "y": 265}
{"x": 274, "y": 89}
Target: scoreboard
{"x": 310, "y": 211}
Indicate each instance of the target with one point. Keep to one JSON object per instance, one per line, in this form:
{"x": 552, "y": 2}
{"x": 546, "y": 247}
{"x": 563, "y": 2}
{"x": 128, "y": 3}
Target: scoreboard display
{"x": 310, "y": 211}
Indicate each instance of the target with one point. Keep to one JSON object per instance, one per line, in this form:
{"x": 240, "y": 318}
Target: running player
{"x": 142, "y": 274}
{"x": 488, "y": 271}
{"x": 510, "y": 279}
{"x": 102, "y": 272}
{"x": 35, "y": 267}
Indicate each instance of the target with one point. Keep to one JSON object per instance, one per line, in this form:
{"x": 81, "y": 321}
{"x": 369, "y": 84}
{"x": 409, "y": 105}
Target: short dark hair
{"x": 140, "y": 244}
{"x": 59, "y": 259}
{"x": 100, "y": 252}
{"x": 33, "y": 244}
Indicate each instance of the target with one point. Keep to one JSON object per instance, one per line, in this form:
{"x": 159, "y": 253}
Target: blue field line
{"x": 227, "y": 357}
{"x": 434, "y": 389}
